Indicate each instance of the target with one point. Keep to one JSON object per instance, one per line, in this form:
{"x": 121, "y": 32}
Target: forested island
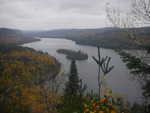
{"x": 73, "y": 55}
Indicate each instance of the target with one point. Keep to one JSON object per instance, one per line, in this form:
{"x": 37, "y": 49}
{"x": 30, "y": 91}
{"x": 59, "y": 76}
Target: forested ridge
{"x": 119, "y": 38}
{"x": 23, "y": 72}
{"x": 14, "y": 37}
{"x": 94, "y": 37}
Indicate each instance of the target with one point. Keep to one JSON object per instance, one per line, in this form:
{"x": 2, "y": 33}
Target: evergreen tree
{"x": 72, "y": 100}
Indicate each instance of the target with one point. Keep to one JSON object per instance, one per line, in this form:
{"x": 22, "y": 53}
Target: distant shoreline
{"x": 20, "y": 42}
{"x": 92, "y": 45}
{"x": 30, "y": 41}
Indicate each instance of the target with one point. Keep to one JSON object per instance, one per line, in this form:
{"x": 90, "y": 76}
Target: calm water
{"x": 119, "y": 79}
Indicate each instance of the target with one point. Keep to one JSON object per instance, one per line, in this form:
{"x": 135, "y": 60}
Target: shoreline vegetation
{"x": 24, "y": 74}
{"x": 16, "y": 42}
{"x": 73, "y": 55}
{"x": 31, "y": 56}
{"x": 91, "y": 37}
{"x": 29, "y": 40}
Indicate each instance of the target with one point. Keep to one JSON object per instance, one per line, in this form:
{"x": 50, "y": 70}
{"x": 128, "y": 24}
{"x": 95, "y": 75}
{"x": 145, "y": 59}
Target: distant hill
{"x": 13, "y": 36}
{"x": 105, "y": 37}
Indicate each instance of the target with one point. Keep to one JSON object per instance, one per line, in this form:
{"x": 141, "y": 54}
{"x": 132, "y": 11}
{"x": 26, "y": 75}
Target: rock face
{"x": 73, "y": 55}
{"x": 13, "y": 37}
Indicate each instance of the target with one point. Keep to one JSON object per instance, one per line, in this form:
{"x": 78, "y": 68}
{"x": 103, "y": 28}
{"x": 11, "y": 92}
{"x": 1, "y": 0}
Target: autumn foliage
{"x": 23, "y": 73}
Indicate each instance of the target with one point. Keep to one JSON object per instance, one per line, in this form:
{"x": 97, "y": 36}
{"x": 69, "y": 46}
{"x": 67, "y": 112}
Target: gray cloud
{"x": 53, "y": 14}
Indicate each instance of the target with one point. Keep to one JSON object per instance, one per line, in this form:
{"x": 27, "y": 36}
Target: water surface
{"x": 119, "y": 79}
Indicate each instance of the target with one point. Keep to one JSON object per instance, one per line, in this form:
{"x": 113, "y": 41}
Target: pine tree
{"x": 72, "y": 100}
{"x": 72, "y": 86}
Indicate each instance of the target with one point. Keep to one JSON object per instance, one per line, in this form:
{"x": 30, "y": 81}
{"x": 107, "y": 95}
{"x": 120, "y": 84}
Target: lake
{"x": 119, "y": 79}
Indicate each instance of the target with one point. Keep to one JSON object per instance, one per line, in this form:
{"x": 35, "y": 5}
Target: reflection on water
{"x": 119, "y": 79}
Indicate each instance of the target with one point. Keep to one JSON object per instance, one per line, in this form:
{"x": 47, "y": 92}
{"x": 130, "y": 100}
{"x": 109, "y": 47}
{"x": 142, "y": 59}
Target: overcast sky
{"x": 56, "y": 14}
